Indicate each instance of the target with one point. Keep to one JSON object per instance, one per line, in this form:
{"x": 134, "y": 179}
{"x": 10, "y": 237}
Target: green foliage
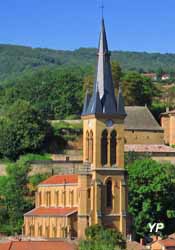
{"x": 130, "y": 157}
{"x": 66, "y": 131}
{"x": 14, "y": 194}
{"x": 56, "y": 93}
{"x": 22, "y": 129}
{"x": 138, "y": 90}
{"x": 157, "y": 108}
{"x": 116, "y": 73}
{"x": 37, "y": 178}
{"x": 151, "y": 195}
{"x": 100, "y": 238}
{"x": 37, "y": 157}
{"x": 15, "y": 60}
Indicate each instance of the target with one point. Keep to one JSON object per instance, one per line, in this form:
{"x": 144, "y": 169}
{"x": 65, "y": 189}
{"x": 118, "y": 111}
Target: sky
{"x": 132, "y": 25}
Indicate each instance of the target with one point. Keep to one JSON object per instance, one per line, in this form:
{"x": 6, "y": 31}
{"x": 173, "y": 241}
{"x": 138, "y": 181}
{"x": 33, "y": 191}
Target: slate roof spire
{"x": 103, "y": 100}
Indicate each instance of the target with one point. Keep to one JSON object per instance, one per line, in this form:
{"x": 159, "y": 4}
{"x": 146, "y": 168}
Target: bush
{"x": 100, "y": 238}
{"x": 22, "y": 130}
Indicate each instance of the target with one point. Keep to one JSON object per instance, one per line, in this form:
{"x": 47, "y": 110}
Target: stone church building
{"x": 67, "y": 204}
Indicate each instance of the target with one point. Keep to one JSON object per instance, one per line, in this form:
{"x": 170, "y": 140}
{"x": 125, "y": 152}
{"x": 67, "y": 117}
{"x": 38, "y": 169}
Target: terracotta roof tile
{"x": 61, "y": 179}
{"x": 37, "y": 245}
{"x": 5, "y": 246}
{"x": 149, "y": 148}
{"x": 167, "y": 242}
{"x": 52, "y": 211}
{"x": 168, "y": 112}
{"x": 133, "y": 245}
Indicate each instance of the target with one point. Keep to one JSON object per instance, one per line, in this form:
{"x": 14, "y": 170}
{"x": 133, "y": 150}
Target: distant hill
{"x": 15, "y": 60}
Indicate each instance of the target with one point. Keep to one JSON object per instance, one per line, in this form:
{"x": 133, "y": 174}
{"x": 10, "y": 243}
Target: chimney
{"x": 154, "y": 237}
{"x": 142, "y": 241}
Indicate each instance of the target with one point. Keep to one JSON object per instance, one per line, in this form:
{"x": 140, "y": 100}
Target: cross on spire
{"x": 102, "y": 8}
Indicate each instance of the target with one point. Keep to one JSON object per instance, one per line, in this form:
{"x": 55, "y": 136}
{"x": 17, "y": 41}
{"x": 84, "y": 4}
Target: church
{"x": 67, "y": 204}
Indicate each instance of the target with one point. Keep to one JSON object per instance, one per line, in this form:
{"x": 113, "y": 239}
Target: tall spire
{"x": 103, "y": 97}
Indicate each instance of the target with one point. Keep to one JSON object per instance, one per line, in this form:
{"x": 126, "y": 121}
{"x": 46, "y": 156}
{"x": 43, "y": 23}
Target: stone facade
{"x": 168, "y": 124}
{"x": 144, "y": 137}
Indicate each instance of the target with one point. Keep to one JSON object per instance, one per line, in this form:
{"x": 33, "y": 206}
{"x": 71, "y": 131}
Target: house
{"x": 37, "y": 245}
{"x": 166, "y": 244}
{"x": 141, "y": 127}
{"x": 165, "y": 77}
{"x": 168, "y": 124}
{"x": 152, "y": 76}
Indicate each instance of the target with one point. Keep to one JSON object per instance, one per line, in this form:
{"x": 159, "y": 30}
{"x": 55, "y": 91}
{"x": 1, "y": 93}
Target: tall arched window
{"x": 57, "y": 198}
{"x": 91, "y": 147}
{"x": 109, "y": 194}
{"x": 113, "y": 148}
{"x": 104, "y": 154}
{"x": 40, "y": 231}
{"x": 87, "y": 146}
{"x": 48, "y": 198}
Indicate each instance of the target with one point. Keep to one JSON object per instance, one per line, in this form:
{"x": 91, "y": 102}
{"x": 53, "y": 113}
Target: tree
{"x": 22, "y": 129}
{"x": 88, "y": 83}
{"x": 151, "y": 195}
{"x": 116, "y": 74}
{"x": 100, "y": 238}
{"x": 14, "y": 193}
{"x": 56, "y": 93}
{"x": 137, "y": 89}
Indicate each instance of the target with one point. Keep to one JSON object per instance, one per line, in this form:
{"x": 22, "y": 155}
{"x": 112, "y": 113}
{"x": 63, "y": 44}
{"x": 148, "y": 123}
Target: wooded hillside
{"x": 17, "y": 59}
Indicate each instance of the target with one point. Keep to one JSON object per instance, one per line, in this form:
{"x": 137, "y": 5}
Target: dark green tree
{"x": 22, "y": 129}
{"x": 138, "y": 90}
{"x": 151, "y": 195}
{"x": 116, "y": 74}
{"x": 15, "y": 196}
{"x": 100, "y": 238}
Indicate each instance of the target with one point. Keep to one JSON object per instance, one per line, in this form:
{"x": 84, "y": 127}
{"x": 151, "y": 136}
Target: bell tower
{"x": 103, "y": 146}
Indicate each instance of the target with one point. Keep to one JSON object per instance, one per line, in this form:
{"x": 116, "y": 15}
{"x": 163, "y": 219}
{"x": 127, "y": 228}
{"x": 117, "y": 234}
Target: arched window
{"x": 113, "y": 148}
{"x": 109, "y": 194}
{"x": 48, "y": 198}
{"x": 47, "y": 232}
{"x": 54, "y": 232}
{"x": 32, "y": 230}
{"x": 91, "y": 147}
{"x": 40, "y": 231}
{"x": 57, "y": 198}
{"x": 71, "y": 198}
{"x": 104, "y": 157}
{"x": 87, "y": 146}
